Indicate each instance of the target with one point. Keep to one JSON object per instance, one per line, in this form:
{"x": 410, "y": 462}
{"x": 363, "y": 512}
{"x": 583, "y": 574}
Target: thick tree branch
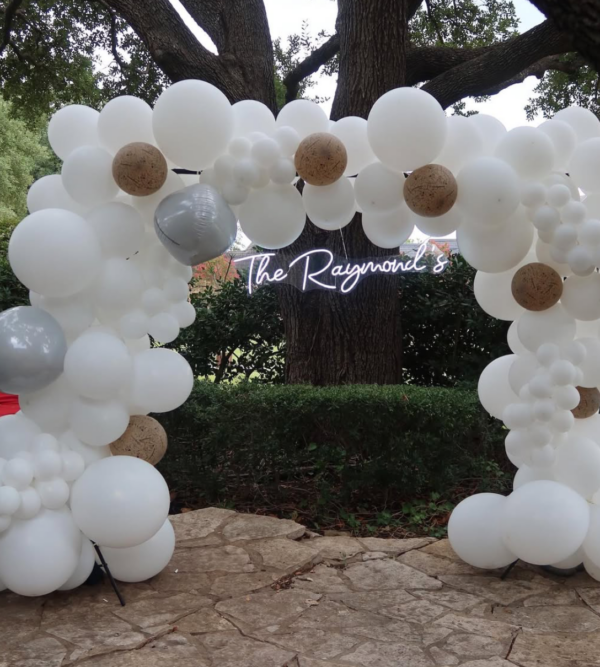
{"x": 310, "y": 65}
{"x": 498, "y": 64}
{"x": 114, "y": 40}
{"x": 413, "y": 7}
{"x": 9, "y": 14}
{"x": 581, "y": 20}
{"x": 207, "y": 14}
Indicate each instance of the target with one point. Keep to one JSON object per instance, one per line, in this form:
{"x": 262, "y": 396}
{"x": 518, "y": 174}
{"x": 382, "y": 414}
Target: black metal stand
{"x": 508, "y": 570}
{"x": 113, "y": 583}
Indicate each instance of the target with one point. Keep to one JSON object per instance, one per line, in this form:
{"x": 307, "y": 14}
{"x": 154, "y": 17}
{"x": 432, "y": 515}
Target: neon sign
{"x": 321, "y": 269}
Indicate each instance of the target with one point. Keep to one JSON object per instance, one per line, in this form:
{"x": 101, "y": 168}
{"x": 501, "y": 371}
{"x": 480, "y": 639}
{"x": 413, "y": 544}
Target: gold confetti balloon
{"x": 321, "y": 159}
{"x": 430, "y": 191}
{"x": 144, "y": 438}
{"x": 140, "y": 169}
{"x": 537, "y": 286}
{"x": 589, "y": 403}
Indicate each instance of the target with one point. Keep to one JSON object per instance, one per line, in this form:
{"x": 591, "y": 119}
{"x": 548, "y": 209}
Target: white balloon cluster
{"x": 90, "y": 255}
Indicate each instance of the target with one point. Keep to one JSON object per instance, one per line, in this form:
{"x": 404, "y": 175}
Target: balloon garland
{"x": 107, "y": 250}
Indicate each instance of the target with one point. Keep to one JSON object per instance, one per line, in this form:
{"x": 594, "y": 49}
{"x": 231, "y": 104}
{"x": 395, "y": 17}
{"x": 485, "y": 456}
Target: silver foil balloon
{"x": 195, "y": 224}
{"x": 32, "y": 349}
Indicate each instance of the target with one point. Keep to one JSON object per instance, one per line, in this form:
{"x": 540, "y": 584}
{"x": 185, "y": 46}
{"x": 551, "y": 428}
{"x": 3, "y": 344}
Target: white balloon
{"x": 246, "y": 172}
{"x": 584, "y": 166}
{"x": 406, "y": 128}
{"x": 352, "y": 132}
{"x": 563, "y": 139}
{"x": 554, "y": 325}
{"x": 330, "y": 207}
{"x": 544, "y": 522}
{"x": 441, "y": 225}
{"x": 252, "y": 116}
{"x": 87, "y": 176}
{"x": 578, "y": 465}
{"x": 266, "y": 152}
{"x": 144, "y": 560}
{"x": 74, "y": 313}
{"x": 379, "y": 189}
{"x": 193, "y": 123}
{"x": 474, "y": 531}
{"x": 497, "y": 248}
{"x": 513, "y": 340}
{"x": 120, "y": 501}
{"x": 72, "y": 127}
{"x": 16, "y": 434}
{"x": 288, "y": 140}
{"x": 261, "y": 220}
{"x": 73, "y": 465}
{"x": 98, "y": 365}
{"x": 84, "y": 568}
{"x": 54, "y": 253}
{"x": 30, "y": 504}
{"x": 523, "y": 371}
{"x": 488, "y": 190}
{"x": 494, "y": 294}
{"x": 304, "y": 116}
{"x": 10, "y": 500}
{"x": 147, "y": 205}
{"x": 119, "y": 228}
{"x": 162, "y": 380}
{"x": 238, "y": 147}
{"x": 49, "y": 192}
{"x": 528, "y": 151}
{"x": 134, "y": 324}
{"x": 585, "y": 124}
{"x": 49, "y": 408}
{"x": 581, "y": 297}
{"x": 573, "y": 213}
{"x": 98, "y": 423}
{"x": 533, "y": 194}
{"x": 494, "y": 390}
{"x": 164, "y": 328}
{"x": 591, "y": 367}
{"x": 54, "y": 493}
{"x": 184, "y": 312}
{"x": 124, "y": 120}
{"x": 542, "y": 251}
{"x": 526, "y": 474}
{"x": 18, "y": 473}
{"x": 39, "y": 555}
{"x": 388, "y": 229}
{"x": 283, "y": 172}
{"x": 558, "y": 195}
{"x": 70, "y": 442}
{"x": 47, "y": 464}
{"x": 464, "y": 143}
{"x": 119, "y": 285}
{"x": 491, "y": 129}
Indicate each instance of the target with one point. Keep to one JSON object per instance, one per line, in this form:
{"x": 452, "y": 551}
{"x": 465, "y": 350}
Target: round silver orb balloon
{"x": 32, "y": 349}
{"x": 195, "y": 224}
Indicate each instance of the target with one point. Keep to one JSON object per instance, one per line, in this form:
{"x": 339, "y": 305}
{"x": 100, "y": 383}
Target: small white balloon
{"x": 584, "y": 166}
{"x": 352, "y": 132}
{"x": 164, "y": 328}
{"x": 491, "y": 129}
{"x": 184, "y": 312}
{"x": 330, "y": 207}
{"x": 252, "y": 116}
{"x": 578, "y": 465}
{"x": 304, "y": 116}
{"x": 71, "y": 128}
{"x": 585, "y": 123}
{"x": 49, "y": 192}
{"x": 494, "y": 390}
{"x": 84, "y": 568}
{"x": 10, "y": 500}
{"x": 591, "y": 368}
{"x": 288, "y": 140}
{"x": 563, "y": 139}
{"x": 528, "y": 151}
{"x": 283, "y": 172}
{"x": 54, "y": 493}
{"x": 388, "y": 229}
{"x": 379, "y": 189}
{"x": 134, "y": 324}
{"x": 119, "y": 285}
{"x": 554, "y": 325}
{"x": 87, "y": 176}
{"x": 464, "y": 143}
{"x": 124, "y": 120}
{"x": 119, "y": 228}
{"x": 494, "y": 294}
{"x": 98, "y": 423}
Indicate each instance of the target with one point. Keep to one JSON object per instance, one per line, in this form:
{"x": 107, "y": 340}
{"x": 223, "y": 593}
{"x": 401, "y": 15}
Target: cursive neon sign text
{"x": 321, "y": 269}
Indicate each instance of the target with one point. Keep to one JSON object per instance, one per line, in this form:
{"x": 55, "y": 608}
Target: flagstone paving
{"x": 251, "y": 591}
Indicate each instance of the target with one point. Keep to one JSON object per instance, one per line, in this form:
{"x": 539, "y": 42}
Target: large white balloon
{"x": 119, "y": 228}
{"x": 98, "y": 423}
{"x": 98, "y": 366}
{"x": 39, "y": 555}
{"x": 144, "y": 560}
{"x": 70, "y": 442}
{"x": 578, "y": 465}
{"x": 581, "y": 297}
{"x": 497, "y": 248}
{"x": 193, "y": 123}
{"x": 49, "y": 192}
{"x": 120, "y": 502}
{"x": 494, "y": 295}
{"x": 304, "y": 116}
{"x": 162, "y": 380}
{"x": 119, "y": 285}
{"x": 71, "y": 128}
{"x": 16, "y": 434}
{"x": 50, "y": 407}
{"x": 464, "y": 142}
{"x": 87, "y": 176}
{"x": 563, "y": 139}
{"x": 406, "y": 128}
{"x": 388, "y": 229}
{"x": 379, "y": 189}
{"x": 124, "y": 120}
{"x": 494, "y": 389}
{"x": 441, "y": 225}
{"x": 528, "y": 151}
{"x": 54, "y": 253}
{"x": 591, "y": 367}
{"x": 74, "y": 313}
{"x": 488, "y": 190}
{"x": 332, "y": 206}
{"x": 352, "y": 132}
{"x": 584, "y": 166}
{"x": 474, "y": 531}
{"x": 585, "y": 123}
{"x": 491, "y": 129}
{"x": 544, "y": 522}
{"x": 252, "y": 116}
{"x": 261, "y": 219}
{"x": 84, "y": 568}
{"x": 554, "y": 325}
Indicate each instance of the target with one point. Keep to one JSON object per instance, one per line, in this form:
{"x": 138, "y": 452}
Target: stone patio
{"x": 252, "y": 591}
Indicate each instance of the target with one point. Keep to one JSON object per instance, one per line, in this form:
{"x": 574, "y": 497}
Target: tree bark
{"x": 352, "y": 338}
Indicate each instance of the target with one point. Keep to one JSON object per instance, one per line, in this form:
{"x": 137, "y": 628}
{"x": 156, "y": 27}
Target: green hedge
{"x": 348, "y": 446}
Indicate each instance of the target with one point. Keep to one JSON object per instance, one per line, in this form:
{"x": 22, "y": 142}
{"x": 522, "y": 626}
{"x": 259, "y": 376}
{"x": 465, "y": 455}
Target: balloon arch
{"x": 107, "y": 250}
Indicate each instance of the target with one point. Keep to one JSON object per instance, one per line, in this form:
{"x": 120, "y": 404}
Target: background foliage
{"x": 333, "y": 453}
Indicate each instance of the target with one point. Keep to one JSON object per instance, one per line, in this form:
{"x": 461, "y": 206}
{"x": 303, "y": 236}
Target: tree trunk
{"x": 353, "y": 338}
